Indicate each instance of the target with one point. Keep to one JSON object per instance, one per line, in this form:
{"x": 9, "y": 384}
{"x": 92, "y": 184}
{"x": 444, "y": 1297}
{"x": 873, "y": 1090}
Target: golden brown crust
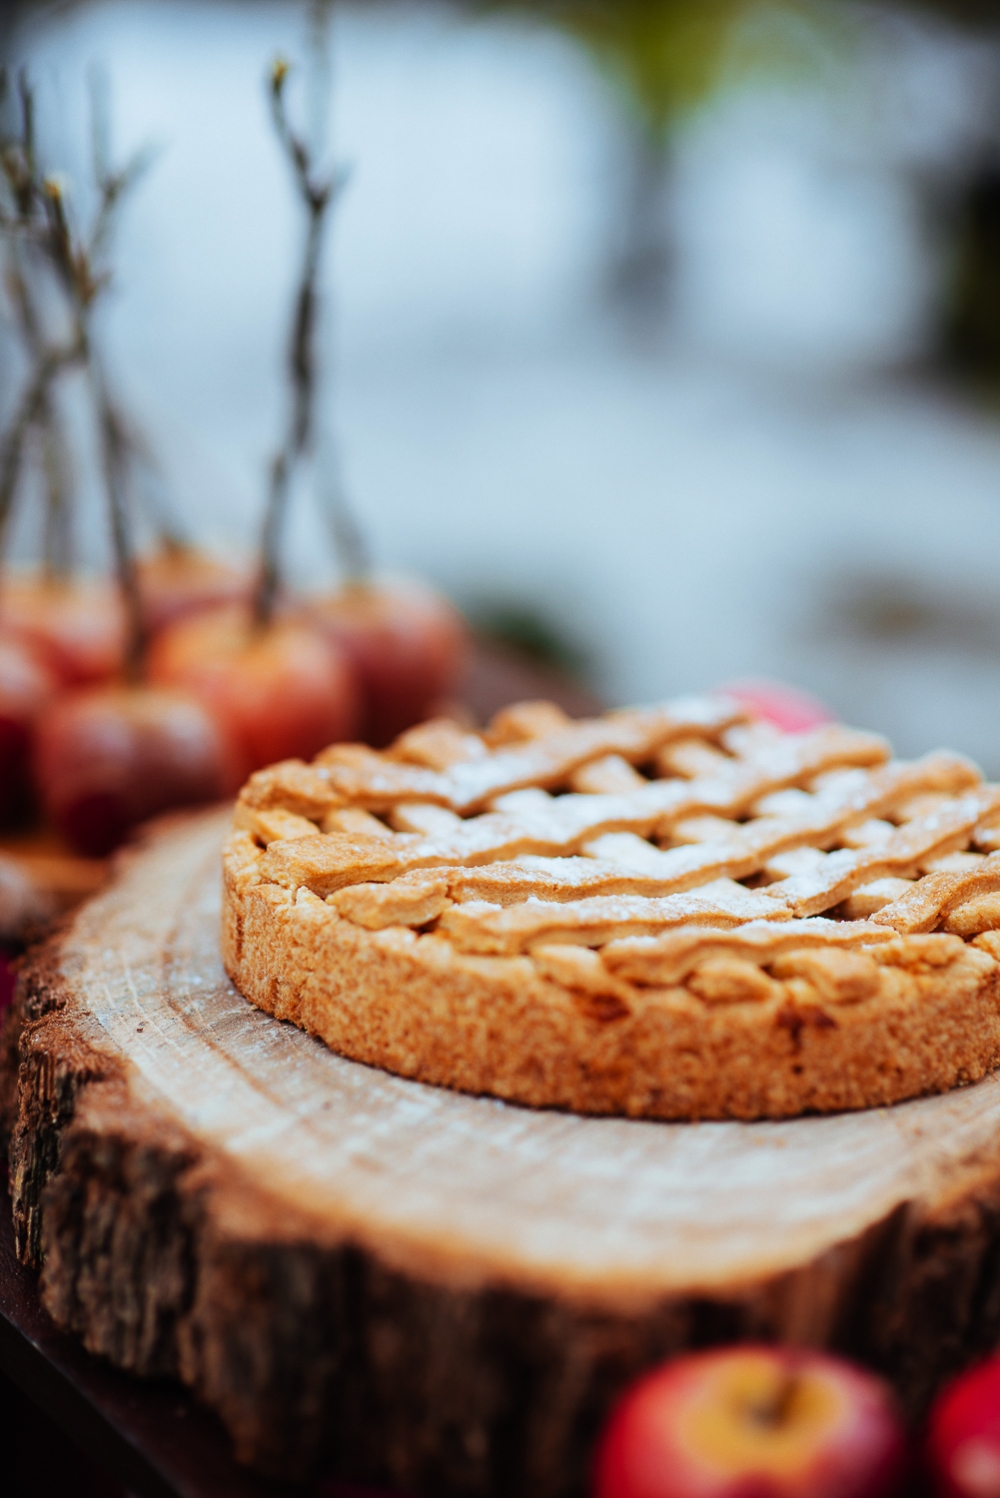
{"x": 582, "y": 941}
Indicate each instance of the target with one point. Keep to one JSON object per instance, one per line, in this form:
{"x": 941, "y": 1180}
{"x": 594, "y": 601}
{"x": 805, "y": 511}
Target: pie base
{"x": 413, "y": 1005}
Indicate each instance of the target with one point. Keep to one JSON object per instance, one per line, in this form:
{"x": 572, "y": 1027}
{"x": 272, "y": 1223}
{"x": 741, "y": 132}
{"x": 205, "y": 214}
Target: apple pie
{"x": 669, "y": 912}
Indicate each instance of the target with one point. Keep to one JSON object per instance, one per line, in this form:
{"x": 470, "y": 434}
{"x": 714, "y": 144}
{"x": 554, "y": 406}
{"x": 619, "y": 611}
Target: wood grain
{"x": 440, "y": 1291}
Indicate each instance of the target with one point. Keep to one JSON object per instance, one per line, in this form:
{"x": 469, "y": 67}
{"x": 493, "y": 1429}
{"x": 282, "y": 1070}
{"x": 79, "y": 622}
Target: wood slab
{"x": 435, "y": 1290}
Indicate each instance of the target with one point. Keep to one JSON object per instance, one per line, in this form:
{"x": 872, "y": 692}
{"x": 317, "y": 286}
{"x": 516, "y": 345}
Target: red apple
{"x": 963, "y": 1435}
{"x": 279, "y": 692}
{"x": 108, "y": 757}
{"x": 180, "y": 580}
{"x": 27, "y": 686}
{"x": 788, "y": 708}
{"x": 753, "y": 1422}
{"x": 407, "y": 646}
{"x": 78, "y": 623}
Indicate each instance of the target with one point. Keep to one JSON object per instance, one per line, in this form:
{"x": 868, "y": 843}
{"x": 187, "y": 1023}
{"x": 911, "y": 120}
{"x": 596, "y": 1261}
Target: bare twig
{"x": 37, "y": 409}
{"x": 151, "y": 491}
{"x": 57, "y": 537}
{"x": 115, "y": 461}
{"x": 112, "y": 185}
{"x": 39, "y": 217}
{"x": 269, "y": 575}
{"x": 318, "y": 194}
{"x": 28, "y": 413}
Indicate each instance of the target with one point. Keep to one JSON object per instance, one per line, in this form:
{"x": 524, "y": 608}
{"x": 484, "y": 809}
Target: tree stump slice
{"x": 435, "y": 1290}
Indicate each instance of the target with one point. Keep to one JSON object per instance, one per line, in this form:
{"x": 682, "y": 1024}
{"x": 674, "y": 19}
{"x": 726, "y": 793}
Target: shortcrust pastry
{"x": 669, "y": 912}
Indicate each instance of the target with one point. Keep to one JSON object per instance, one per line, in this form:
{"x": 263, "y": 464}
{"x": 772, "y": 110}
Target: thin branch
{"x": 27, "y": 99}
{"x": 41, "y": 217}
{"x": 57, "y": 540}
{"x": 269, "y": 575}
{"x": 113, "y": 188}
{"x": 61, "y": 251}
{"x": 28, "y": 320}
{"x": 12, "y": 444}
{"x": 114, "y": 457}
{"x": 151, "y": 491}
{"x": 318, "y": 194}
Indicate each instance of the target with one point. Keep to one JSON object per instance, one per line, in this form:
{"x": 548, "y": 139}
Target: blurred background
{"x": 662, "y": 335}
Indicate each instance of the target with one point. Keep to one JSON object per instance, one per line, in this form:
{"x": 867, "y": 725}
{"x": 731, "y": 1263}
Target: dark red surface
{"x": 39, "y": 1461}
{"x": 8, "y": 977}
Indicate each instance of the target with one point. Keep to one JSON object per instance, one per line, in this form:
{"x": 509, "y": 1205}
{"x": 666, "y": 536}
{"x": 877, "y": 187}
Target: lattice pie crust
{"x": 668, "y": 912}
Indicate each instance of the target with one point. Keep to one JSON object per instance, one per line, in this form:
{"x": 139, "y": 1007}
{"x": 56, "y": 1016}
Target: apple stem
{"x": 774, "y": 1409}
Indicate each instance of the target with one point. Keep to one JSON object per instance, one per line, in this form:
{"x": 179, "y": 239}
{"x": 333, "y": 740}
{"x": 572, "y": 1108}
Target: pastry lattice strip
{"x": 363, "y": 777}
{"x": 353, "y": 775}
{"x": 480, "y": 926}
{"x": 669, "y": 958}
{"x": 462, "y": 833}
{"x": 535, "y": 824}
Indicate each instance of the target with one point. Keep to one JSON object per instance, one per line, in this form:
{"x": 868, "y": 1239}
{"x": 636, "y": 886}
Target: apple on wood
{"x": 278, "y": 691}
{"x": 407, "y": 645}
{"x": 753, "y": 1422}
{"x": 109, "y": 757}
{"x": 78, "y": 624}
{"x": 963, "y": 1435}
{"x": 27, "y": 686}
{"x": 175, "y": 581}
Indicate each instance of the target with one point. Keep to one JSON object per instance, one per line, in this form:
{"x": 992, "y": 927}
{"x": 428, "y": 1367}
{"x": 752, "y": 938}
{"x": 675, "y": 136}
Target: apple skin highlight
{"x": 78, "y": 624}
{"x": 963, "y": 1435}
{"x": 406, "y": 645}
{"x": 109, "y": 757}
{"x": 753, "y": 1422}
{"x": 280, "y": 691}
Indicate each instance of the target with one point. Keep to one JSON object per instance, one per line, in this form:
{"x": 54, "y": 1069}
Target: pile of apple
{"x": 221, "y": 694}
{"x": 780, "y": 1422}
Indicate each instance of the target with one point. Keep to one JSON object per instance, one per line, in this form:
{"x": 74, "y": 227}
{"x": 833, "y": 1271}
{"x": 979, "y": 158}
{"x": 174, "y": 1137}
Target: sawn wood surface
{"x": 434, "y": 1290}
